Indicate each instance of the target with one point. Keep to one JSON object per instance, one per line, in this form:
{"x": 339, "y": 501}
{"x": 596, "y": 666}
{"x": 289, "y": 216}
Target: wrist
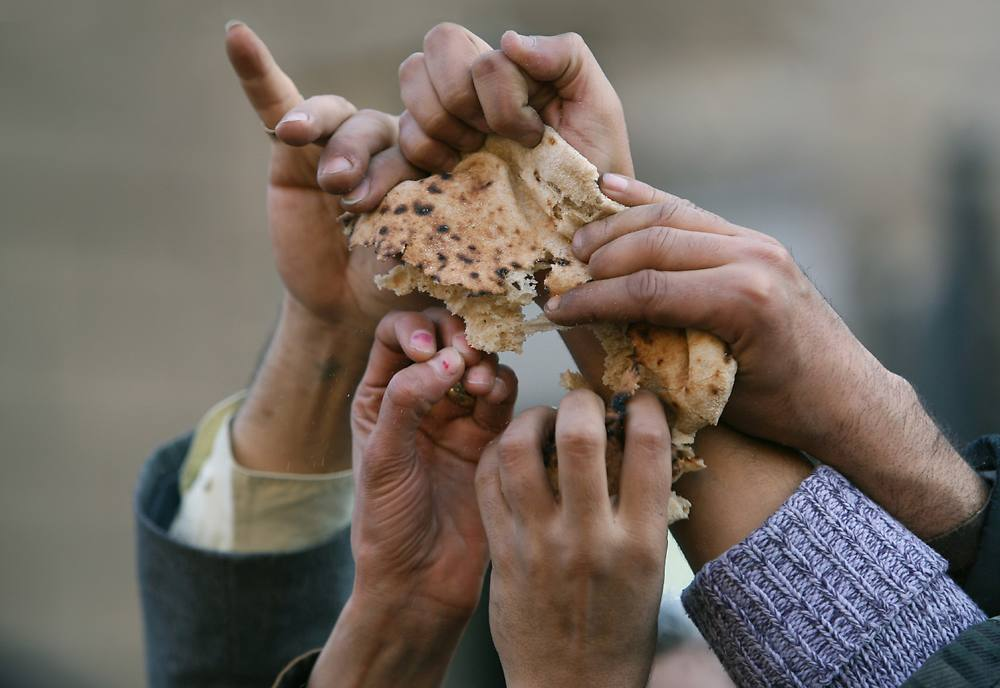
{"x": 296, "y": 416}
{"x": 382, "y": 643}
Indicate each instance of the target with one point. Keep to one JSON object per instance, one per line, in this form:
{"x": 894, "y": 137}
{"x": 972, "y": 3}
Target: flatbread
{"x": 475, "y": 238}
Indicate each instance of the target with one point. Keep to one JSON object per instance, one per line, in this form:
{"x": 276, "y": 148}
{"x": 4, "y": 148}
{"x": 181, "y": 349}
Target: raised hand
{"x": 459, "y": 88}
{"x": 576, "y": 583}
{"x": 417, "y": 534}
{"x": 327, "y": 157}
{"x": 804, "y": 379}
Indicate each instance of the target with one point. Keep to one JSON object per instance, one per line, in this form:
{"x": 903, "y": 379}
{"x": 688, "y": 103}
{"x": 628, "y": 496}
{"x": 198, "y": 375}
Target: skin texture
{"x": 418, "y": 542}
{"x": 295, "y": 418}
{"x": 576, "y": 583}
{"x": 459, "y": 88}
{"x": 804, "y": 380}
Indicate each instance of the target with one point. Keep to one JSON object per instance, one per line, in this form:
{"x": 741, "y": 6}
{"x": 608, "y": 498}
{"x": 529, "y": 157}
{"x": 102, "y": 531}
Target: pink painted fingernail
{"x": 423, "y": 341}
{"x": 446, "y": 363}
{"x": 357, "y": 194}
{"x": 338, "y": 164}
{"x": 614, "y": 182}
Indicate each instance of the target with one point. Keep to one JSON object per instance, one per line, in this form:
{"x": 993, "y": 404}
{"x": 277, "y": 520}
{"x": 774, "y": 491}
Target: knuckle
{"x": 514, "y": 444}
{"x": 646, "y": 288}
{"x": 671, "y": 208}
{"x": 773, "y": 254}
{"x": 488, "y": 63}
{"x": 437, "y": 124}
{"x": 440, "y": 34}
{"x": 404, "y": 393}
{"x": 758, "y": 287}
{"x": 660, "y": 240}
{"x": 580, "y": 439}
{"x": 649, "y": 438}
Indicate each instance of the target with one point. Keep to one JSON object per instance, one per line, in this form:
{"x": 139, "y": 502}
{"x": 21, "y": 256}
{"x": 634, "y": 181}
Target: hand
{"x": 324, "y": 147}
{"x": 804, "y": 380}
{"x": 417, "y": 536}
{"x": 459, "y": 88}
{"x": 668, "y": 262}
{"x": 576, "y": 584}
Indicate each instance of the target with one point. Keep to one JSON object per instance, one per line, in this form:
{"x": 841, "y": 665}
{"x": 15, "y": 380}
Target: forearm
{"x": 887, "y": 445}
{"x": 375, "y": 646}
{"x": 296, "y": 418}
{"x": 746, "y": 480}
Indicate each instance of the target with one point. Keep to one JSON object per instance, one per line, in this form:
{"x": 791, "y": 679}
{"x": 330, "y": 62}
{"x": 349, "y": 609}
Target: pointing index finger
{"x": 270, "y": 91}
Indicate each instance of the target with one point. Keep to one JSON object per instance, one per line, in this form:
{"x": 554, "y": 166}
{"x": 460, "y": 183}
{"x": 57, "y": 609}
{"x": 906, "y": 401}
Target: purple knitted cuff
{"x": 830, "y": 591}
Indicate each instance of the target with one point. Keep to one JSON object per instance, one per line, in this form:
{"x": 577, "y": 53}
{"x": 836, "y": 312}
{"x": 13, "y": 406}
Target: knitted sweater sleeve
{"x": 830, "y": 591}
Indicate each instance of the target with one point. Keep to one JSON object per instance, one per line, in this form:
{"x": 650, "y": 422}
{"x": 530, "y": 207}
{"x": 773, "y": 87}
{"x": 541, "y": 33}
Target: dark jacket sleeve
{"x": 224, "y": 619}
{"x": 972, "y": 660}
{"x": 215, "y": 619}
{"x": 981, "y": 581}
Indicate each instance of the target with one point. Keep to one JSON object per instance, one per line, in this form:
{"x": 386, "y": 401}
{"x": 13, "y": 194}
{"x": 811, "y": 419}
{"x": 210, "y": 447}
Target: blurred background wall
{"x": 136, "y": 285}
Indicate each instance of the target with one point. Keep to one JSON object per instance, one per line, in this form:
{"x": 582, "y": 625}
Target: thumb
{"x": 410, "y": 395}
{"x": 565, "y": 61}
{"x": 631, "y": 192}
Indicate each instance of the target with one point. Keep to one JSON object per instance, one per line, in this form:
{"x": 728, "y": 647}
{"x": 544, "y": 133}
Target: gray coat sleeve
{"x": 217, "y": 619}
{"x": 224, "y": 619}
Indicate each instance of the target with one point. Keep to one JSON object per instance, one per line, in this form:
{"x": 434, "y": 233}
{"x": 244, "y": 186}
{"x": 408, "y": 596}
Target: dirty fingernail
{"x": 614, "y": 182}
{"x": 358, "y": 193}
{"x": 423, "y": 341}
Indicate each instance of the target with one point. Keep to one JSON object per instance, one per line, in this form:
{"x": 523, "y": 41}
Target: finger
{"x": 451, "y": 332}
{"x": 497, "y": 518}
{"x": 630, "y": 192}
{"x": 449, "y": 51}
{"x": 345, "y": 158}
{"x": 702, "y": 299}
{"x": 421, "y": 101}
{"x": 565, "y": 61}
{"x": 522, "y": 470}
{"x": 269, "y": 90}
{"x": 385, "y": 170}
{"x": 480, "y": 378}
{"x": 504, "y": 94}
{"x": 313, "y": 120}
{"x": 673, "y": 212}
{"x": 663, "y": 248}
{"x": 401, "y": 337}
{"x": 581, "y": 441}
{"x": 493, "y": 411}
{"x": 421, "y": 150}
{"x": 409, "y": 397}
{"x": 644, "y": 488}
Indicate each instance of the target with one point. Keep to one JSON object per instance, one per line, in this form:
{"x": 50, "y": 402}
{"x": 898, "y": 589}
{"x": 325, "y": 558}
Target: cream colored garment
{"x": 229, "y": 508}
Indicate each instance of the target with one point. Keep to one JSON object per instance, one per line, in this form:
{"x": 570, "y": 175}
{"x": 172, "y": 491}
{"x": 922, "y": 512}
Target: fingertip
{"x": 448, "y": 364}
{"x": 499, "y": 393}
{"x": 614, "y": 184}
{"x": 421, "y": 345}
{"x": 233, "y": 24}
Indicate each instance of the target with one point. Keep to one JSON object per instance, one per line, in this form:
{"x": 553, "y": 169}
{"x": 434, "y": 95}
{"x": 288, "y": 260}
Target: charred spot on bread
{"x": 400, "y": 209}
{"x": 433, "y": 188}
{"x": 443, "y": 229}
{"x": 423, "y": 208}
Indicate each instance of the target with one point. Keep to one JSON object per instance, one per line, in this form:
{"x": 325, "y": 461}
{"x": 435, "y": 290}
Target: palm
{"x": 425, "y": 516}
{"x": 310, "y": 248}
{"x": 600, "y": 136}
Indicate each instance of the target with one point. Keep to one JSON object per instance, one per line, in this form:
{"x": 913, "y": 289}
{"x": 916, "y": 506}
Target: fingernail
{"x": 446, "y": 362}
{"x": 292, "y": 117}
{"x": 553, "y": 303}
{"x": 461, "y": 343}
{"x": 233, "y": 23}
{"x": 523, "y": 41}
{"x": 499, "y": 391}
{"x": 357, "y": 194}
{"x": 479, "y": 376}
{"x": 614, "y": 182}
{"x": 338, "y": 164}
{"x": 422, "y": 340}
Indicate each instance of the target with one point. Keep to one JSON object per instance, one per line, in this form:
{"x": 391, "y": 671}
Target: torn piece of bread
{"x": 475, "y": 238}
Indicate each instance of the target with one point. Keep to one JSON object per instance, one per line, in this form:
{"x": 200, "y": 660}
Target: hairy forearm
{"x": 372, "y": 646}
{"x": 887, "y": 445}
{"x": 296, "y": 418}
